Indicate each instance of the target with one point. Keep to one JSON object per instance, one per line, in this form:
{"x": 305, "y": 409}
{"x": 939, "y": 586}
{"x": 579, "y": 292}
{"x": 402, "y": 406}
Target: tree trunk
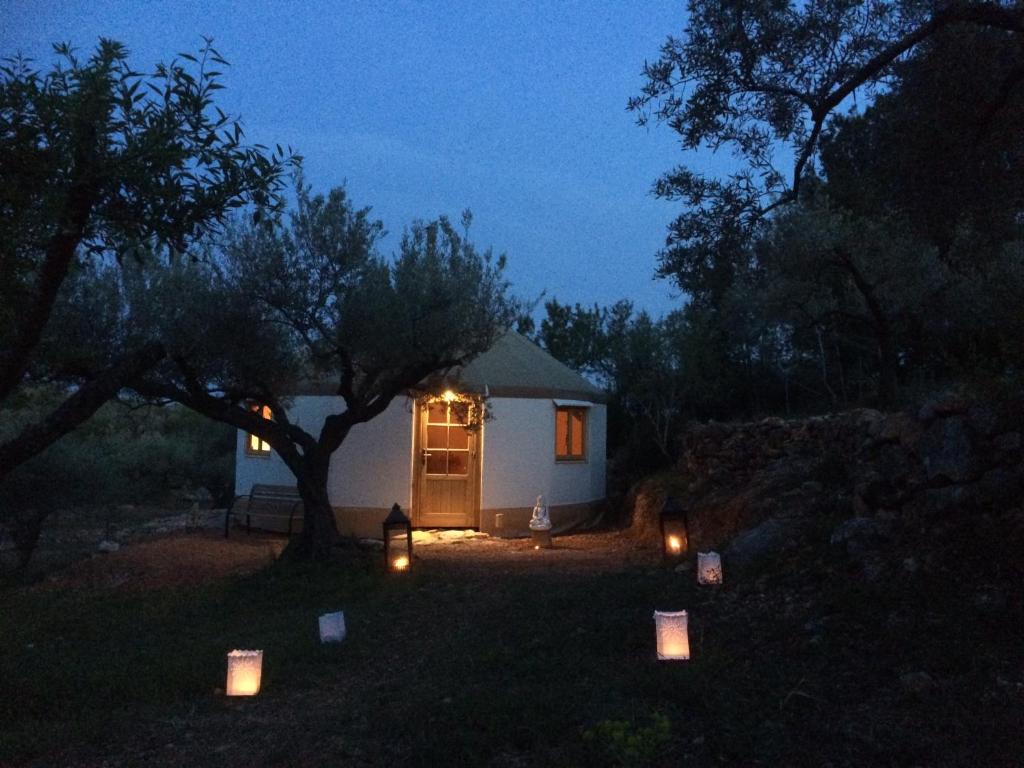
{"x": 319, "y": 529}
{"x": 888, "y": 360}
{"x": 888, "y": 364}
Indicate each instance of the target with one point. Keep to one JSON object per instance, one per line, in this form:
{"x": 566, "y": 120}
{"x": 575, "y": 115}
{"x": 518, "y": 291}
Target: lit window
{"x": 570, "y": 434}
{"x": 255, "y": 446}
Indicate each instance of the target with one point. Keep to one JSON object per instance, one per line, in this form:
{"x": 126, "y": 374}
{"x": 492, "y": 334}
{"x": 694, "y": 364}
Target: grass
{"x": 455, "y": 666}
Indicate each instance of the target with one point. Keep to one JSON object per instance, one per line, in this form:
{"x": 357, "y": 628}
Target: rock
{"x": 860, "y": 507}
{"x": 758, "y": 542}
{"x": 998, "y": 485}
{"x": 982, "y": 419}
{"x": 990, "y": 600}
{"x": 374, "y": 544}
{"x": 683, "y": 567}
{"x": 894, "y": 464}
{"x": 1007, "y": 442}
{"x": 812, "y": 487}
{"x": 815, "y": 626}
{"x": 945, "y": 451}
{"x": 916, "y": 682}
{"x": 872, "y": 567}
{"x": 108, "y": 546}
{"x": 858, "y": 535}
{"x": 951, "y": 497}
{"x": 910, "y": 565}
{"x": 892, "y": 428}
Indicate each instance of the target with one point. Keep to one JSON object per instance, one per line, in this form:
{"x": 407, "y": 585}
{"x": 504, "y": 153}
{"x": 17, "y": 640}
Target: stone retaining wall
{"x": 949, "y": 455}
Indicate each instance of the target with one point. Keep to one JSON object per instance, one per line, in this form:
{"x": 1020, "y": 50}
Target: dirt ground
{"x": 177, "y": 560}
{"x": 194, "y": 558}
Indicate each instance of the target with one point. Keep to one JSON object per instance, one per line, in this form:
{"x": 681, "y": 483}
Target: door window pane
{"x": 458, "y": 462}
{"x": 458, "y": 437}
{"x": 437, "y": 436}
{"x": 437, "y": 462}
{"x": 437, "y": 413}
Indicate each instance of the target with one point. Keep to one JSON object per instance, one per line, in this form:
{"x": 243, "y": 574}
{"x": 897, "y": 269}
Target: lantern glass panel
{"x": 245, "y": 669}
{"x": 397, "y": 540}
{"x": 398, "y": 548}
{"x": 674, "y": 532}
{"x": 672, "y": 635}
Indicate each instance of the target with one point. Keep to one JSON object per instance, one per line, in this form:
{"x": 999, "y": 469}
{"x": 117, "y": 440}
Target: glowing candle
{"x": 400, "y": 563}
{"x": 675, "y": 545}
{"x": 245, "y": 668}
{"x": 672, "y": 634}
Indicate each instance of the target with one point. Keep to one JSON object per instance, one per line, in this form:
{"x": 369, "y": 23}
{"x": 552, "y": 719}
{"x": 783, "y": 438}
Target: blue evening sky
{"x": 515, "y": 110}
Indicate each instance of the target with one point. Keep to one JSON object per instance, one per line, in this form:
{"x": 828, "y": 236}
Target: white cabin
{"x": 545, "y": 434}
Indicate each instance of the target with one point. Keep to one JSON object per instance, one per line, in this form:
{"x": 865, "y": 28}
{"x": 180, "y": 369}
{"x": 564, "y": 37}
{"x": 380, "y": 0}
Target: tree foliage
{"x": 100, "y": 163}
{"x": 761, "y": 79}
{"x": 847, "y": 253}
{"x": 308, "y": 304}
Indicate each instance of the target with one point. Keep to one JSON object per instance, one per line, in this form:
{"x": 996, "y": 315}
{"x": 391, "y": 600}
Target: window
{"x": 570, "y": 434}
{"x": 255, "y": 446}
{"x": 447, "y": 449}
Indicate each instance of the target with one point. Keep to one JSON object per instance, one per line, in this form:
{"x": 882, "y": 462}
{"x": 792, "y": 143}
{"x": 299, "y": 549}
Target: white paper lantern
{"x": 673, "y": 636}
{"x": 245, "y": 668}
{"x": 709, "y": 568}
{"x": 332, "y": 627}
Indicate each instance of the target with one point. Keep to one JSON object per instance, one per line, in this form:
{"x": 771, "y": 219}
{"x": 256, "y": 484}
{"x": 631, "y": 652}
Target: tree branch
{"x": 36, "y": 438}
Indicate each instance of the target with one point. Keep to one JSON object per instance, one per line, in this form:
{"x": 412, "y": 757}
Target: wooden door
{"x": 447, "y": 465}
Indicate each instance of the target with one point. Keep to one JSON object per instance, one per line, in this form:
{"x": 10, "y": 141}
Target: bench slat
{"x": 269, "y": 494}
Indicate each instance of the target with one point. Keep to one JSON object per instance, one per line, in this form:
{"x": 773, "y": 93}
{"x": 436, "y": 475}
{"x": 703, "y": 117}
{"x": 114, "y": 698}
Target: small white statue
{"x": 540, "y": 520}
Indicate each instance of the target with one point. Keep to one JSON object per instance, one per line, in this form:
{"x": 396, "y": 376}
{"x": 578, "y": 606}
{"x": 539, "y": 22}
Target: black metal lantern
{"x": 674, "y": 529}
{"x": 397, "y": 540}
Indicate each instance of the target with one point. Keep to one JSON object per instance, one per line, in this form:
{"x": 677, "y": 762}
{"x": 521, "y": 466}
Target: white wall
{"x": 371, "y": 469}
{"x": 373, "y": 466}
{"x": 519, "y": 456}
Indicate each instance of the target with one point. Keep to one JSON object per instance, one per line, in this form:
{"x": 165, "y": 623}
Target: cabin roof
{"x": 516, "y": 367}
{"x": 513, "y": 367}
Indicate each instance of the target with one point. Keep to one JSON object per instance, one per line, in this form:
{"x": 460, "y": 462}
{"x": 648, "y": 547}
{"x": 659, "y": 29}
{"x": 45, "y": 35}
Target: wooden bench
{"x": 275, "y": 497}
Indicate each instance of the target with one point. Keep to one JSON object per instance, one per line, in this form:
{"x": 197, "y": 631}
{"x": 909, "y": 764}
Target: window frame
{"x": 263, "y": 450}
{"x": 572, "y": 458}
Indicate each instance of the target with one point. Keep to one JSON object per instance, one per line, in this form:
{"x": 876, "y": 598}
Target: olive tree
{"x": 310, "y": 299}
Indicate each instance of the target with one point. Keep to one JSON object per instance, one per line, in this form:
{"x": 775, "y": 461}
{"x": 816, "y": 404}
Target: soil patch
{"x": 178, "y": 560}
